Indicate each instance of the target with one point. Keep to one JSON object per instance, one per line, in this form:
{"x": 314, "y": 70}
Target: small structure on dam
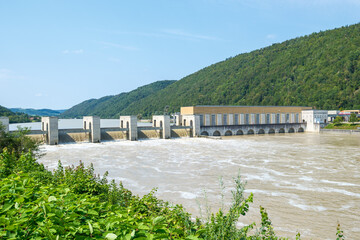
{"x": 129, "y": 126}
{"x": 192, "y": 121}
{"x": 162, "y": 122}
{"x": 92, "y": 123}
{"x": 50, "y": 127}
{"x": 5, "y": 122}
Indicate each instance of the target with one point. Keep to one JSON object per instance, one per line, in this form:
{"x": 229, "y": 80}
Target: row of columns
{"x": 128, "y": 124}
{"x": 49, "y": 125}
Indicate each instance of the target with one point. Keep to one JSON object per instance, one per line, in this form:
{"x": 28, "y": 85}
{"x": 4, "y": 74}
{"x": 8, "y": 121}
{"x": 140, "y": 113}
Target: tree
{"x": 17, "y": 142}
{"x": 353, "y": 118}
{"x": 338, "y": 120}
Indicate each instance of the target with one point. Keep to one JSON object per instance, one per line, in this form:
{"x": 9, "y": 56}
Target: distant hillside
{"x": 113, "y": 106}
{"x": 321, "y": 70}
{"x": 16, "y": 117}
{"x": 38, "y": 112}
{"x": 4, "y": 112}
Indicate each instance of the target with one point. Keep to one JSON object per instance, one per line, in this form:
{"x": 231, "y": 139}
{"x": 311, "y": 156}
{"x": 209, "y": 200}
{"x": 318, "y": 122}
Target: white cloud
{"x": 40, "y": 95}
{"x": 297, "y": 3}
{"x": 271, "y": 36}
{"x": 78, "y": 51}
{"x": 181, "y": 33}
{"x": 114, "y": 59}
{"x": 164, "y": 33}
{"x": 7, "y": 74}
{"x": 4, "y": 73}
{"x": 322, "y": 2}
{"x": 123, "y": 47}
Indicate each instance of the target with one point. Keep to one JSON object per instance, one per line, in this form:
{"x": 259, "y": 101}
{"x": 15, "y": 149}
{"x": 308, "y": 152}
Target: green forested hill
{"x": 321, "y": 70}
{"x": 37, "y": 112}
{"x": 15, "y": 117}
{"x": 113, "y": 106}
{"x": 4, "y": 112}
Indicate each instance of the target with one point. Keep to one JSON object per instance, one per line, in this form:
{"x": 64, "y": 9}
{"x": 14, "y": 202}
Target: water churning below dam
{"x": 307, "y": 182}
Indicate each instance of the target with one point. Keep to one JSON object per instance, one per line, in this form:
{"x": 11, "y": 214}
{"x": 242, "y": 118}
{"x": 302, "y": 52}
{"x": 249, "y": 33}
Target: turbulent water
{"x": 307, "y": 182}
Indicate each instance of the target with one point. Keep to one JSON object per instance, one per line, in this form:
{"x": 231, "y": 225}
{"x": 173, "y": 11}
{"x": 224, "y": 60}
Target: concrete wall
{"x": 129, "y": 123}
{"x": 74, "y": 135}
{"x": 111, "y": 134}
{"x": 163, "y": 122}
{"x": 92, "y": 123}
{"x": 193, "y": 121}
{"x": 177, "y": 118}
{"x": 50, "y": 126}
{"x": 179, "y": 132}
{"x": 5, "y": 121}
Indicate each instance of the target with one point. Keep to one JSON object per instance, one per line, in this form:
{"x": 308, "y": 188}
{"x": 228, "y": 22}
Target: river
{"x": 307, "y": 182}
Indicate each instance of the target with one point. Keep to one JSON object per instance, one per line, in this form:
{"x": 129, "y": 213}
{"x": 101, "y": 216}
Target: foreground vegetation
{"x": 74, "y": 203}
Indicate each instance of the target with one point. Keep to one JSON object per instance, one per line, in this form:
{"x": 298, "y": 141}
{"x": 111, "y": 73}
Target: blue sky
{"x": 55, "y": 54}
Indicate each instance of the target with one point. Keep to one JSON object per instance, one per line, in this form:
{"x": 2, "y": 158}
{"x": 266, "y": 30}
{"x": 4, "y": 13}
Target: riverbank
{"x": 347, "y": 131}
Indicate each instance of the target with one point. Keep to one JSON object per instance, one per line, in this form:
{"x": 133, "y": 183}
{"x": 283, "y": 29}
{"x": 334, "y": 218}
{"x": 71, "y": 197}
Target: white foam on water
{"x": 305, "y": 207}
{"x": 302, "y": 187}
{"x": 265, "y": 177}
{"x": 346, "y": 207}
{"x": 188, "y": 195}
{"x": 307, "y": 179}
{"x": 340, "y": 183}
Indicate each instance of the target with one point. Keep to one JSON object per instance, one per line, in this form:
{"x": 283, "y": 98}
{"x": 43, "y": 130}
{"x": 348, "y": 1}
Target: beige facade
{"x": 243, "y": 115}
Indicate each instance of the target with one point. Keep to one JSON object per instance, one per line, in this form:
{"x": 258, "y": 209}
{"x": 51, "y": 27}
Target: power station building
{"x": 243, "y": 115}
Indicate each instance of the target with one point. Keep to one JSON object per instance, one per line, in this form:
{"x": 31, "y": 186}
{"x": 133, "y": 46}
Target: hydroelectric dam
{"x": 194, "y": 121}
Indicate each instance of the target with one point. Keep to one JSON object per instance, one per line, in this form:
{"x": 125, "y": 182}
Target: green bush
{"x": 17, "y": 141}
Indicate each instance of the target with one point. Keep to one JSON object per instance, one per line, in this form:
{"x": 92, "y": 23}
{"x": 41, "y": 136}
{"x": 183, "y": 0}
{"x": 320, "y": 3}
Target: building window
{"x": 201, "y": 120}
{"x": 225, "y": 119}
{"x": 267, "y": 118}
{"x": 257, "y": 119}
{"x": 213, "y": 122}
{"x": 278, "y": 118}
{"x": 287, "y": 118}
{"x": 236, "y": 119}
{"x": 246, "y": 118}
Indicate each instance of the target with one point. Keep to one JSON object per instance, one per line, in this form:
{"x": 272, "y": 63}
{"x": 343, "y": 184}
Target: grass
{"x": 343, "y": 126}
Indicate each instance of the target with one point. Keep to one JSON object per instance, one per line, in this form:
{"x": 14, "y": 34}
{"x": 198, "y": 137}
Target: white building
{"x": 314, "y": 119}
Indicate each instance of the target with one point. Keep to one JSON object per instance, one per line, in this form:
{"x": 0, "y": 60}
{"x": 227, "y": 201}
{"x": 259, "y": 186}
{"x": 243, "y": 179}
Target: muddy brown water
{"x": 307, "y": 182}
